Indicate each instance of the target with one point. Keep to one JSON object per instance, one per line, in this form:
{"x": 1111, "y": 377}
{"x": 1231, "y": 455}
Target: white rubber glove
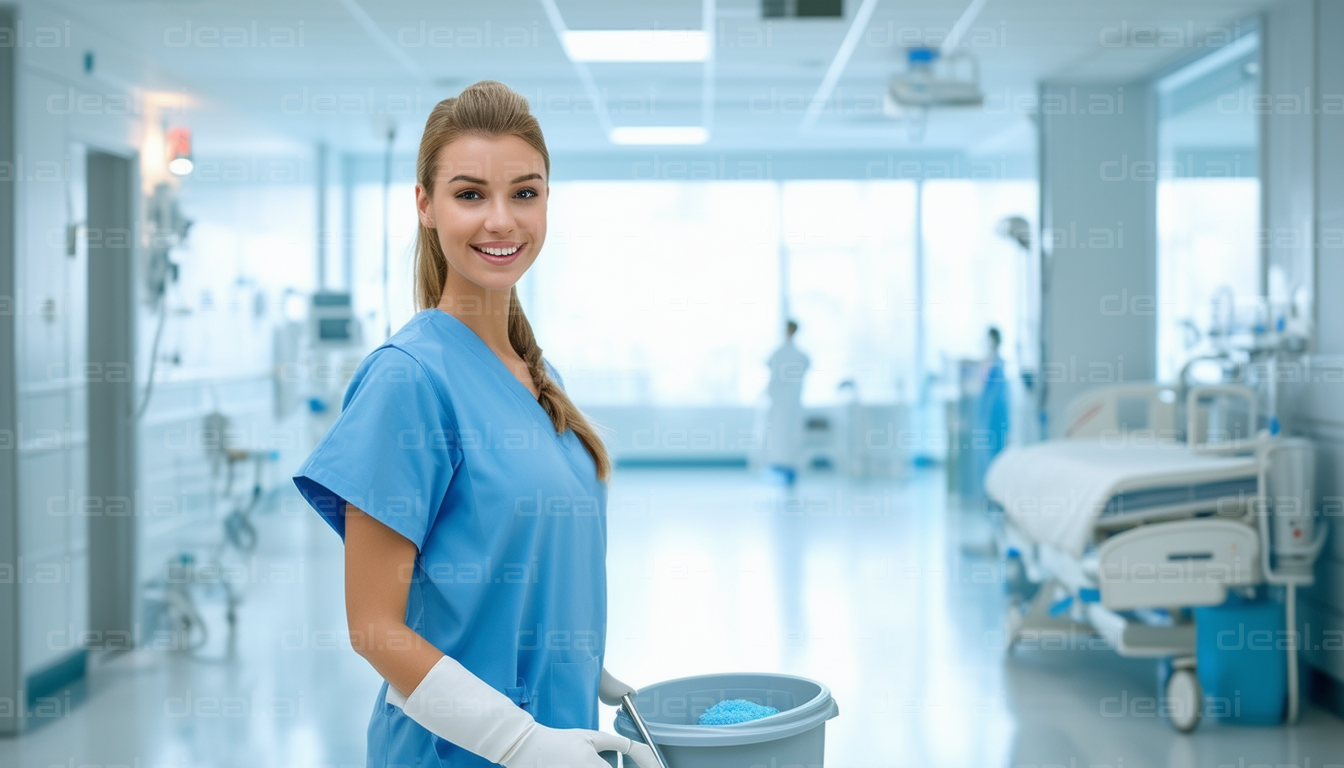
{"x": 573, "y": 747}
{"x": 456, "y": 705}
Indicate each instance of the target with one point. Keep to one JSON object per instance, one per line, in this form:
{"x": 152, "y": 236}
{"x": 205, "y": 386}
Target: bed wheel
{"x": 1185, "y": 700}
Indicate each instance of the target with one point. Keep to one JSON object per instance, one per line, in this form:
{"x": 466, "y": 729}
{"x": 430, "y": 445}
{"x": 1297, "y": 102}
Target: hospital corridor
{"x": 671, "y": 384}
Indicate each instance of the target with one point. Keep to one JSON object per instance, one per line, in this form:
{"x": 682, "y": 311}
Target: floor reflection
{"x": 882, "y": 590}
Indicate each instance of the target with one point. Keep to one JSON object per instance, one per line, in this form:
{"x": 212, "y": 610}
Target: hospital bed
{"x": 1123, "y": 527}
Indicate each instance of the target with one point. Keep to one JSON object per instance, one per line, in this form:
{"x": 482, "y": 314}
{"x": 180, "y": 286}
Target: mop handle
{"x": 643, "y": 730}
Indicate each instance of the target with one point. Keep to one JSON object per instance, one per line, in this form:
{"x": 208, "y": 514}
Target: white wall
{"x": 51, "y": 329}
{"x": 254, "y": 236}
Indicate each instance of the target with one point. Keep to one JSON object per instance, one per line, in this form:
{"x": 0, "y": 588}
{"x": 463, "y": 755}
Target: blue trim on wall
{"x": 51, "y": 680}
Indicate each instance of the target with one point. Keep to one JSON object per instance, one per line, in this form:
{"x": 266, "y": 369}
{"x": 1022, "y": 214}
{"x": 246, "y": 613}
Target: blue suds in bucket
{"x": 732, "y": 711}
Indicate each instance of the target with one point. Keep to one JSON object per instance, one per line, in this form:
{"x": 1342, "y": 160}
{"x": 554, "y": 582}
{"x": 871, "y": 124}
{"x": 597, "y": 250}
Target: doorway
{"x": 112, "y": 445}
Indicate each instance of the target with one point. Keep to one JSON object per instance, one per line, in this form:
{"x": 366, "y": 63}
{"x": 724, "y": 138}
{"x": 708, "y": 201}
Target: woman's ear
{"x": 424, "y": 207}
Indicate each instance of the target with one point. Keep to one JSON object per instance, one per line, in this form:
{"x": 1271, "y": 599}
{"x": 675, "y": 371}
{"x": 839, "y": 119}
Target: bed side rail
{"x": 1122, "y": 408}
{"x": 1223, "y": 439}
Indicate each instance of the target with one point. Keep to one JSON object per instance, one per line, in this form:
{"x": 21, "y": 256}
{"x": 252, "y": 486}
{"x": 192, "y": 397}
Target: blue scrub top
{"x": 439, "y": 441}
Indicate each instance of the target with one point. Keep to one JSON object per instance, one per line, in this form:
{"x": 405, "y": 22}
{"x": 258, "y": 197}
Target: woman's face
{"x": 489, "y": 207}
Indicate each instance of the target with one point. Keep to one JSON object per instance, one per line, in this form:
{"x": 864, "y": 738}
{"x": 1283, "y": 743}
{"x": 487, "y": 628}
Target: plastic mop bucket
{"x": 794, "y": 738}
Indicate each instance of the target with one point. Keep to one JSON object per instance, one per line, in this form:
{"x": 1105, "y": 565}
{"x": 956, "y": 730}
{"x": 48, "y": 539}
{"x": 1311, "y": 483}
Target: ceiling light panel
{"x": 636, "y": 45}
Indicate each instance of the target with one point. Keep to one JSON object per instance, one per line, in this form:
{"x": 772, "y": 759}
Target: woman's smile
{"x": 498, "y": 252}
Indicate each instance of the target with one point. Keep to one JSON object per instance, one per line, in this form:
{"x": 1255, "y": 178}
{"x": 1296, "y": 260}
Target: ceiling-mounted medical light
{"x": 627, "y": 45}
{"x": 654, "y": 134}
{"x": 932, "y": 79}
{"x": 178, "y": 140}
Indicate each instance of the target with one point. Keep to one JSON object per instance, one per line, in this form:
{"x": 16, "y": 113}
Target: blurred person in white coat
{"x": 784, "y": 416}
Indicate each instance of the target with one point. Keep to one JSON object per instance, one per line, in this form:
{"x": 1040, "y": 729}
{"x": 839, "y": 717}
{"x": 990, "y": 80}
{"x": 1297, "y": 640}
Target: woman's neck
{"x": 484, "y": 311}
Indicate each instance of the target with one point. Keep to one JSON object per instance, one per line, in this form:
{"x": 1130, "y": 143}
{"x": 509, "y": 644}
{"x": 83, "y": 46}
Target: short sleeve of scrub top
{"x": 386, "y": 453}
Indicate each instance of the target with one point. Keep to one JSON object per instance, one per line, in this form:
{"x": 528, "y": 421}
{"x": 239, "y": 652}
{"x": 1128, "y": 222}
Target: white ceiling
{"x": 364, "y": 53}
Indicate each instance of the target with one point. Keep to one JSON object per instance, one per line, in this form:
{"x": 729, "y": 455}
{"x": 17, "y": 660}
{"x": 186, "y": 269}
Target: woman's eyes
{"x": 526, "y": 193}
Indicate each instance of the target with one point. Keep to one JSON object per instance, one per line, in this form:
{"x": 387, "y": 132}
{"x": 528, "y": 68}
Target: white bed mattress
{"x": 1056, "y": 491}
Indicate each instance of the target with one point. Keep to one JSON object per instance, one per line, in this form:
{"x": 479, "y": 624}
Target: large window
{"x": 660, "y": 293}
{"x": 368, "y": 244}
{"x": 1208, "y": 261}
{"x": 975, "y": 278}
{"x": 1208, "y": 201}
{"x": 850, "y": 257}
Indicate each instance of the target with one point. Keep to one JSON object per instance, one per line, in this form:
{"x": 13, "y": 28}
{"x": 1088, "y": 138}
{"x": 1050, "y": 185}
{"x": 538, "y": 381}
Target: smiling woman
{"x": 404, "y": 476}
{"x": 482, "y": 230}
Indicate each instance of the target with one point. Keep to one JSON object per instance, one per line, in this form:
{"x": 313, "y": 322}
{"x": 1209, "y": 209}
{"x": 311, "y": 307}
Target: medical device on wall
{"x": 317, "y": 349}
{"x": 1289, "y": 516}
{"x": 167, "y": 229}
{"x": 332, "y": 324}
{"x": 1256, "y": 324}
{"x": 1250, "y": 342}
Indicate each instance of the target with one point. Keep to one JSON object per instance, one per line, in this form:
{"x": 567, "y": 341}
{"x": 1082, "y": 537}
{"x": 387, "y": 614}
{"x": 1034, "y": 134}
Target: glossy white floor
{"x": 879, "y": 589}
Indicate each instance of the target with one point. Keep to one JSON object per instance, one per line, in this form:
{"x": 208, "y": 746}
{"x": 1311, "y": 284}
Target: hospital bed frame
{"x": 1130, "y": 589}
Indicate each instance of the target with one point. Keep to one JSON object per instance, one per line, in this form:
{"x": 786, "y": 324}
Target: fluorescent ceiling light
{"x": 653, "y": 134}
{"x": 636, "y": 44}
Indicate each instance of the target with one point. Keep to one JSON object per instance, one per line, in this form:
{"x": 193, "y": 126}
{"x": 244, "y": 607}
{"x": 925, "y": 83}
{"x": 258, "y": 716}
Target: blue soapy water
{"x": 732, "y": 711}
